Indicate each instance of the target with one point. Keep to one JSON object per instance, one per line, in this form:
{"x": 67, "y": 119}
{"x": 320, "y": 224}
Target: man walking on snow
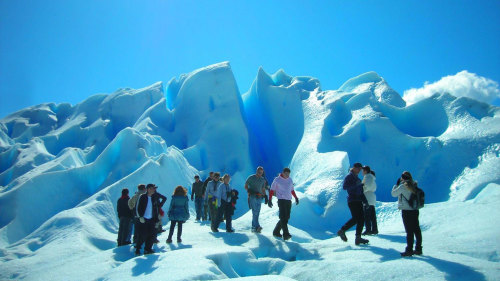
{"x": 283, "y": 187}
{"x": 255, "y": 186}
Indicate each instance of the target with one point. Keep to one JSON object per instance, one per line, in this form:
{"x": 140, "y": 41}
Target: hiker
{"x": 206, "y": 214}
{"x": 223, "y": 194}
{"x": 369, "y": 187}
{"x": 158, "y": 201}
{"x": 132, "y": 204}
{"x": 355, "y": 201}
{"x": 255, "y": 187}
{"x": 212, "y": 199}
{"x": 178, "y": 212}
{"x": 125, "y": 217}
{"x": 283, "y": 187}
{"x": 148, "y": 216}
{"x": 404, "y": 188}
{"x": 198, "y": 196}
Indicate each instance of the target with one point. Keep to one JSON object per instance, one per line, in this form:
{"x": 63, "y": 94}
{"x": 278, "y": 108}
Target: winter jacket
{"x": 223, "y": 193}
{"x": 369, "y": 187}
{"x": 178, "y": 210}
{"x": 123, "y": 209}
{"x": 403, "y": 193}
{"x": 142, "y": 204}
{"x": 212, "y": 189}
{"x": 282, "y": 187}
{"x": 198, "y": 189}
{"x": 133, "y": 201}
{"x": 354, "y": 188}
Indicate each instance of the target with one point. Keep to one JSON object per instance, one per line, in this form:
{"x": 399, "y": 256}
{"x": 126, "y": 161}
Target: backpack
{"x": 417, "y": 199}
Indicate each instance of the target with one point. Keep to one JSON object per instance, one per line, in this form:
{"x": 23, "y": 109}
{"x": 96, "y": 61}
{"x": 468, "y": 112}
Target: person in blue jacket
{"x": 355, "y": 200}
{"x": 178, "y": 213}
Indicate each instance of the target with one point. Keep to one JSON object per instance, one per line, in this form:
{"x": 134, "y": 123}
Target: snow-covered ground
{"x": 62, "y": 168}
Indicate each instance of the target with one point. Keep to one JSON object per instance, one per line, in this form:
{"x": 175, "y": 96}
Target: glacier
{"x": 62, "y": 168}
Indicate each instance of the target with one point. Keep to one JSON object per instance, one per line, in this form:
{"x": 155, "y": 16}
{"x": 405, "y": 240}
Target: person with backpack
{"x": 132, "y": 204}
{"x": 369, "y": 187}
{"x": 355, "y": 200}
{"x": 212, "y": 199}
{"x": 224, "y": 207}
{"x": 147, "y": 211}
{"x": 125, "y": 216}
{"x": 198, "y": 196}
{"x": 178, "y": 212}
{"x": 283, "y": 187}
{"x": 255, "y": 185}
{"x": 405, "y": 189}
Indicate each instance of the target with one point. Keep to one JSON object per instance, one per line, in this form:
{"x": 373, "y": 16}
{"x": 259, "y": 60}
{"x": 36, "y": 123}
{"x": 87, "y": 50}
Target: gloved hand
{"x": 296, "y": 201}
{"x": 142, "y": 220}
{"x": 266, "y": 200}
{"x": 270, "y": 203}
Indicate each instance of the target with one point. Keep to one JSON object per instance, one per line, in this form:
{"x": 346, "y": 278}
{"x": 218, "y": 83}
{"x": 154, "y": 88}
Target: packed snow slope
{"x": 62, "y": 168}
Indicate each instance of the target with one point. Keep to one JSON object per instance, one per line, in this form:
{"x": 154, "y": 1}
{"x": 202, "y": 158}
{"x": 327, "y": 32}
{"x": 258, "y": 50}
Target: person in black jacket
{"x": 355, "y": 200}
{"x": 147, "y": 211}
{"x": 125, "y": 216}
{"x": 158, "y": 202}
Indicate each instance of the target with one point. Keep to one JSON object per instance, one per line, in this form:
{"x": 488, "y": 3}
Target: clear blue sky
{"x": 67, "y": 50}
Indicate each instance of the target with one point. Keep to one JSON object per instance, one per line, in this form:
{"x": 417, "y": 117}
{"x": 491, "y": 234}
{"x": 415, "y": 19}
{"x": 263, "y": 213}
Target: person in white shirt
{"x": 283, "y": 187}
{"x": 369, "y": 188}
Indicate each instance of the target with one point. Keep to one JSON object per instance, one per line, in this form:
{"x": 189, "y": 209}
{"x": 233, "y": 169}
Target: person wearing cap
{"x": 355, "y": 200}
{"x": 132, "y": 204}
{"x": 148, "y": 216}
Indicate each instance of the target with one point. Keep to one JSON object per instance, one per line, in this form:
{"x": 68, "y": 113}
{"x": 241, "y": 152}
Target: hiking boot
{"x": 360, "y": 241}
{"x": 287, "y": 236}
{"x": 230, "y": 230}
{"x": 179, "y": 240}
{"x": 258, "y": 229}
{"x": 366, "y": 233}
{"x": 418, "y": 251}
{"x": 169, "y": 240}
{"x": 157, "y": 241}
{"x": 137, "y": 253}
{"x": 374, "y": 232}
{"x": 341, "y": 234}
{"x": 407, "y": 254}
{"x": 149, "y": 252}
{"x": 214, "y": 229}
{"x": 278, "y": 235}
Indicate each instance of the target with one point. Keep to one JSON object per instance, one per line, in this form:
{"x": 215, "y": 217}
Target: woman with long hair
{"x": 178, "y": 213}
{"x": 404, "y": 188}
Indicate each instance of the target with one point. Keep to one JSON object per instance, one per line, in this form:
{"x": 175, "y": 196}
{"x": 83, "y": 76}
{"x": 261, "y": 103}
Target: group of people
{"x": 142, "y": 214}
{"x": 361, "y": 201}
{"x": 215, "y": 200}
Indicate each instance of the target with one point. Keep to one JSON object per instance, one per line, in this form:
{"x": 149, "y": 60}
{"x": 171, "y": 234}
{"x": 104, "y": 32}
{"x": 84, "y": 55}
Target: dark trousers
{"x": 356, "y": 208}
{"x": 123, "y": 230}
{"x": 206, "y": 214}
{"x": 224, "y": 210}
{"x": 412, "y": 228}
{"x": 285, "y": 207}
{"x": 172, "y": 228}
{"x": 212, "y": 210}
{"x": 198, "y": 204}
{"x": 371, "y": 219}
{"x": 146, "y": 234}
